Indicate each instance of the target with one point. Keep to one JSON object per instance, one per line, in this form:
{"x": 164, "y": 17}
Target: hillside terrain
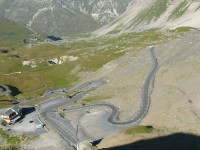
{"x": 62, "y": 17}
{"x": 174, "y": 101}
{"x": 143, "y": 15}
{"x": 12, "y": 34}
{"x": 81, "y": 83}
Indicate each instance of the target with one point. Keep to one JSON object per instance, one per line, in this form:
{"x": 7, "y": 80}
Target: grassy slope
{"x": 11, "y": 34}
{"x": 135, "y": 41}
{"x": 180, "y": 10}
{"x": 93, "y": 54}
{"x": 151, "y": 13}
{"x": 12, "y": 142}
{"x": 139, "y": 129}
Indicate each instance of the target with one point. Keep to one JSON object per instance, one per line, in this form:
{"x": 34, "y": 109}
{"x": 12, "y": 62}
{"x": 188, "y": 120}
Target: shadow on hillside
{"x": 178, "y": 141}
{"x": 10, "y": 101}
{"x": 14, "y": 91}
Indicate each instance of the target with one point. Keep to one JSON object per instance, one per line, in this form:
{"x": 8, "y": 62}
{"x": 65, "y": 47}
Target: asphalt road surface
{"x": 145, "y": 97}
{"x": 5, "y": 89}
{"x": 49, "y": 114}
{"x": 63, "y": 127}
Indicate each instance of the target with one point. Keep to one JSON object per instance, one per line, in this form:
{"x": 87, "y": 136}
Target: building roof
{"x": 16, "y": 108}
{"x": 15, "y": 119}
{"x": 8, "y": 112}
{"x": 12, "y": 110}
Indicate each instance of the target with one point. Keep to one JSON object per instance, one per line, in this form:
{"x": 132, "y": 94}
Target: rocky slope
{"x": 61, "y": 17}
{"x": 145, "y": 14}
{"x": 175, "y": 102}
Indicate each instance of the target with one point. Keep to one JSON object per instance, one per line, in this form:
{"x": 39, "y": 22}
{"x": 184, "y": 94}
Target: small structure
{"x": 10, "y": 116}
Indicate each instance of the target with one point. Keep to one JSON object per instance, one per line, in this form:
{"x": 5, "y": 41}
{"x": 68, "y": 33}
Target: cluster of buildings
{"x": 10, "y": 116}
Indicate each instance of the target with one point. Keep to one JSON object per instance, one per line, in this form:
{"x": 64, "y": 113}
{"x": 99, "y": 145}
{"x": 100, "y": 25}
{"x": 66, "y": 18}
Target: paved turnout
{"x": 63, "y": 127}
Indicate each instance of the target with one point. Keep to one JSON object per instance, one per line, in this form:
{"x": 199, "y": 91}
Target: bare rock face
{"x": 53, "y": 61}
{"x": 61, "y": 60}
{"x": 62, "y": 17}
{"x": 85, "y": 146}
{"x": 144, "y": 14}
{"x": 31, "y": 63}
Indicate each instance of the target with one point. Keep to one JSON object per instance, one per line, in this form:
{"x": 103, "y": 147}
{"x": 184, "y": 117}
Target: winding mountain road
{"x": 145, "y": 97}
{"x": 63, "y": 127}
{"x": 48, "y": 111}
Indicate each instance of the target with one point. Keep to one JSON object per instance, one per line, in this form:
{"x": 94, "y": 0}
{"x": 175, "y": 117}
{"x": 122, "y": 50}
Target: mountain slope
{"x": 142, "y": 15}
{"x": 61, "y": 17}
{"x": 12, "y": 34}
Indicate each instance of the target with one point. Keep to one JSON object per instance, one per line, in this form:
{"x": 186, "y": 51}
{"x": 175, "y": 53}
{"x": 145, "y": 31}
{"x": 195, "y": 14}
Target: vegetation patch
{"x": 114, "y": 32}
{"x": 92, "y": 54}
{"x": 12, "y": 34}
{"x": 139, "y": 130}
{"x": 1, "y": 90}
{"x": 90, "y": 100}
{"x": 13, "y": 142}
{"x": 138, "y": 40}
{"x": 180, "y": 10}
{"x": 95, "y": 62}
{"x": 6, "y": 101}
{"x": 183, "y": 29}
{"x": 153, "y": 12}
{"x": 41, "y": 52}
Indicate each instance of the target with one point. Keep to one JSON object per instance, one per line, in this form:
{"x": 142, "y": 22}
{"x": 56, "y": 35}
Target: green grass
{"x": 5, "y": 104}
{"x": 79, "y": 35}
{"x": 183, "y": 29}
{"x": 140, "y": 40}
{"x": 90, "y": 100}
{"x": 92, "y": 63}
{"x": 82, "y": 44}
{"x": 28, "y": 83}
{"x": 139, "y": 130}
{"x": 152, "y": 13}
{"x": 23, "y": 81}
{"x": 1, "y": 90}
{"x": 13, "y": 142}
{"x": 114, "y": 32}
{"x": 10, "y": 65}
{"x": 180, "y": 10}
{"x": 8, "y": 102}
{"x": 92, "y": 54}
{"x": 12, "y": 34}
{"x": 40, "y": 52}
